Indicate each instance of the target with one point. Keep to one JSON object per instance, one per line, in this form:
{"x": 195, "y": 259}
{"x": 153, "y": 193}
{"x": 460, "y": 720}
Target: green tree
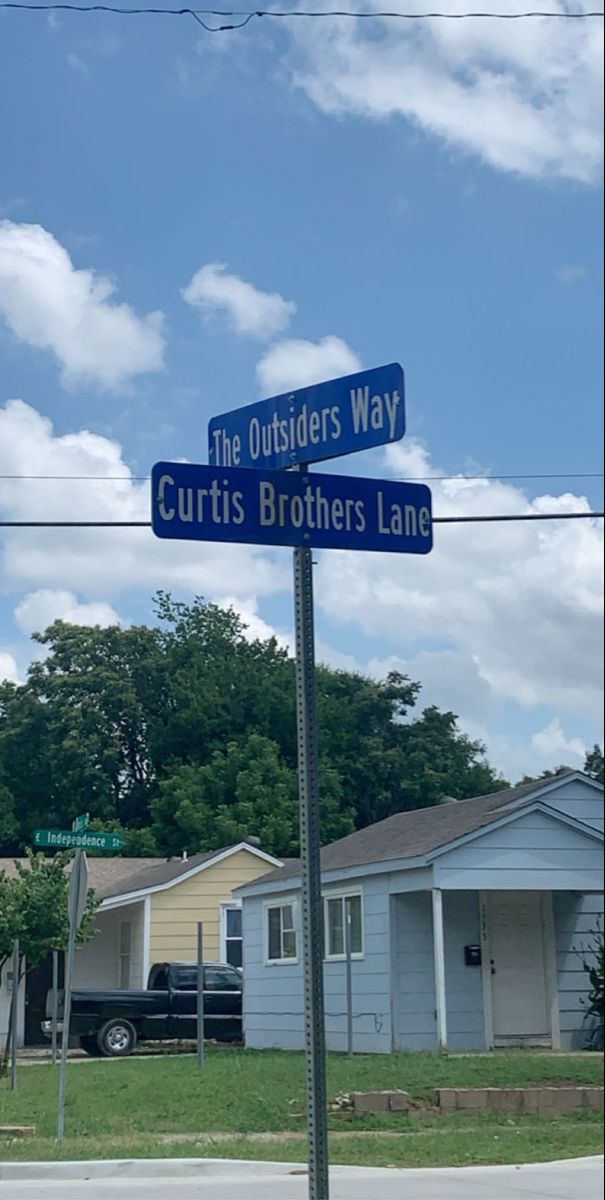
{"x": 183, "y": 736}
{"x": 593, "y": 763}
{"x": 34, "y": 910}
{"x": 246, "y": 789}
{"x": 76, "y": 737}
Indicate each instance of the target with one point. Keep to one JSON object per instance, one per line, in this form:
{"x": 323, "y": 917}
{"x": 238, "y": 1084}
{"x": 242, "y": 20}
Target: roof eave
{"x": 334, "y": 875}
{"x": 119, "y": 899}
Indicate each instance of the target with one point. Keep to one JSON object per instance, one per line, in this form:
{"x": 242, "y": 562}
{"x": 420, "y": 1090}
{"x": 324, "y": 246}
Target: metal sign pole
{"x": 200, "y": 994}
{"x": 308, "y": 780}
{"x": 69, "y": 970}
{"x": 349, "y": 979}
{"x": 15, "y": 1015}
{"x": 54, "y": 1012}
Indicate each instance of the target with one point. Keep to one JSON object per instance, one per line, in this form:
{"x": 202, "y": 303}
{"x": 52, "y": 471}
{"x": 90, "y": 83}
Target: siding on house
{"x": 414, "y": 1014}
{"x": 273, "y": 995}
{"x": 176, "y": 911}
{"x": 414, "y": 1018}
{"x": 464, "y": 987}
{"x": 576, "y": 916}
{"x": 579, "y": 800}
{"x": 535, "y": 852}
{"x": 532, "y": 849}
{"x": 97, "y": 962}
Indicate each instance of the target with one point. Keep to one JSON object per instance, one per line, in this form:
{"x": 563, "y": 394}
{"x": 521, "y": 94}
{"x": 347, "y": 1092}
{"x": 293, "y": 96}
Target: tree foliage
{"x": 594, "y": 1003}
{"x": 593, "y": 763}
{"x": 593, "y": 767}
{"x": 33, "y": 908}
{"x": 183, "y": 736}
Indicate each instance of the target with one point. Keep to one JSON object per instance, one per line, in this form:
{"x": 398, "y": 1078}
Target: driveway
{"x": 581, "y": 1179}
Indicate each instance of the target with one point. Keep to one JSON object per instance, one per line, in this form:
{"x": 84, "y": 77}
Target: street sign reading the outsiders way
{"x": 286, "y": 508}
{"x": 311, "y": 424}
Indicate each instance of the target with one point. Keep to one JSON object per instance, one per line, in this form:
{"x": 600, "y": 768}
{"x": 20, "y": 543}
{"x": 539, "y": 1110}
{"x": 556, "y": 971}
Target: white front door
{"x": 520, "y": 1008}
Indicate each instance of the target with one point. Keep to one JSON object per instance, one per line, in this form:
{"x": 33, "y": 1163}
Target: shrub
{"x": 592, "y": 962}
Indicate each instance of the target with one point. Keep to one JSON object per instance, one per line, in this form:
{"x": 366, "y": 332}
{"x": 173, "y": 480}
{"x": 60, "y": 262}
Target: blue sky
{"x": 429, "y": 196}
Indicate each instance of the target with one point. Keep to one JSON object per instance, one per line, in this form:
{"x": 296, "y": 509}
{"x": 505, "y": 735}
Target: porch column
{"x": 439, "y": 960}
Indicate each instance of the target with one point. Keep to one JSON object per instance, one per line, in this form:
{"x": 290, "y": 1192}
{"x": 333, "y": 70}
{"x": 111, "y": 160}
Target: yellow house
{"x": 149, "y": 912}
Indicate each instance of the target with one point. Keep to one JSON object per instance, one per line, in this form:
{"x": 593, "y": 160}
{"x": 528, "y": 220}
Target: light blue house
{"x": 466, "y": 920}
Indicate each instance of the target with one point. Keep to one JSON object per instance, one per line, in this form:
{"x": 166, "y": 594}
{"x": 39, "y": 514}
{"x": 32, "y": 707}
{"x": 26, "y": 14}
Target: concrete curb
{"x": 225, "y": 1168}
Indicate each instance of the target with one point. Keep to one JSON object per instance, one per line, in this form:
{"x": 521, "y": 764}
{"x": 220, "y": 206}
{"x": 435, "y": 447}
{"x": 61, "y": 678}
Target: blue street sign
{"x": 289, "y": 508}
{"x": 311, "y": 424}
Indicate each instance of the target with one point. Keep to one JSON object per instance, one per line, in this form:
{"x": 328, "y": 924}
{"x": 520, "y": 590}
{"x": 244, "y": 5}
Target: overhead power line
{"x": 248, "y": 15}
{"x": 408, "y": 478}
{"x": 582, "y": 516}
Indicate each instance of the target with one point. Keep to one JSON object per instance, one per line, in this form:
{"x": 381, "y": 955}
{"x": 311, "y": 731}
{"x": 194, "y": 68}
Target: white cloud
{"x": 451, "y": 679}
{"x": 8, "y": 668}
{"x": 296, "y": 363}
{"x": 247, "y": 310}
{"x": 77, "y": 64}
{"x": 102, "y": 564}
{"x": 256, "y": 628}
{"x": 51, "y": 305}
{"x": 554, "y": 746}
{"x": 519, "y": 604}
{"x": 570, "y": 272}
{"x": 37, "y": 610}
{"x": 521, "y": 95}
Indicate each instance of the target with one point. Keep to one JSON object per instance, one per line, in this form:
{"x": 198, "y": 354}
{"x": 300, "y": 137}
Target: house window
{"x": 125, "y": 953}
{"x": 232, "y": 935}
{"x": 336, "y": 911}
{"x": 281, "y": 933}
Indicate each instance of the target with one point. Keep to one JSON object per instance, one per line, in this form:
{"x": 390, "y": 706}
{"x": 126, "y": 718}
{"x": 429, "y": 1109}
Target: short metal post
{"x": 54, "y": 1011}
{"x": 69, "y": 971}
{"x": 308, "y": 781}
{"x": 15, "y": 1015}
{"x": 200, "y": 994}
{"x": 349, "y": 979}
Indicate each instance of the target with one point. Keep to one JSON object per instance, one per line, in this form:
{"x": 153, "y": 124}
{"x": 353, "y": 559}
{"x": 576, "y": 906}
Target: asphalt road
{"x": 580, "y": 1180}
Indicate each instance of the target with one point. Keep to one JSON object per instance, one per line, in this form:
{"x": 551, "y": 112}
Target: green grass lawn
{"x": 115, "y": 1108}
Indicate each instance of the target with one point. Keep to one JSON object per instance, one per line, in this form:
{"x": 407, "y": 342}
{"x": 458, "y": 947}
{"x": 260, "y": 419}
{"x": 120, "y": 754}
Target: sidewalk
{"x": 188, "y": 1179}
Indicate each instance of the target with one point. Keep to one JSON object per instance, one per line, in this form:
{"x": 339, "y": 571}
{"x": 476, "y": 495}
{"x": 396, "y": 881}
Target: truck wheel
{"x": 90, "y": 1046}
{"x": 116, "y": 1038}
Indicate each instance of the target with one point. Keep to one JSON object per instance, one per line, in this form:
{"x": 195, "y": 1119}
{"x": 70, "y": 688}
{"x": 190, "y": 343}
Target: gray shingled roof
{"x": 112, "y": 877}
{"x": 415, "y": 833}
{"x": 156, "y": 871}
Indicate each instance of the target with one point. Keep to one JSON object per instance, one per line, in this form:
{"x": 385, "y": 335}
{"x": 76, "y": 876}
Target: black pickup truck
{"x": 111, "y": 1023}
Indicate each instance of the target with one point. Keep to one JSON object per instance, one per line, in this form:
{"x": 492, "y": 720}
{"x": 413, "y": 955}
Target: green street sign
{"x": 68, "y": 839}
{"x": 80, "y": 823}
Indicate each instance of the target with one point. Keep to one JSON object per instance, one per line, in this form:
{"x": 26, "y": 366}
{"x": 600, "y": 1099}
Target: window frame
{"x": 226, "y": 907}
{"x": 343, "y": 896}
{"x": 269, "y": 906}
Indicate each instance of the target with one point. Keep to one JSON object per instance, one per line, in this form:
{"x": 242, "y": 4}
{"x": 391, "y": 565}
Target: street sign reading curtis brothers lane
{"x": 289, "y": 508}
{"x": 311, "y": 424}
